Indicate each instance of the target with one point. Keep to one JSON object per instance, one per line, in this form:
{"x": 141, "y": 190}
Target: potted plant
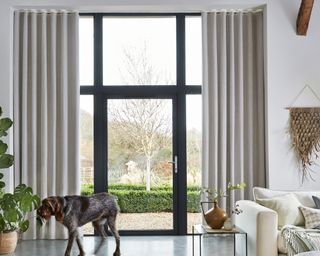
{"x": 215, "y": 216}
{"x": 15, "y": 206}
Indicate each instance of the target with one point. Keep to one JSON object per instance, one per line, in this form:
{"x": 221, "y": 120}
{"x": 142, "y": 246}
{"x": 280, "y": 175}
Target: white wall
{"x": 6, "y": 95}
{"x": 293, "y": 61}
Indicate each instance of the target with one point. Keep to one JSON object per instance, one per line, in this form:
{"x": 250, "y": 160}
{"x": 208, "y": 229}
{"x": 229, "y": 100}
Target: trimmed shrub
{"x": 135, "y": 198}
{"x": 143, "y": 201}
{"x": 87, "y": 189}
{"x": 193, "y": 201}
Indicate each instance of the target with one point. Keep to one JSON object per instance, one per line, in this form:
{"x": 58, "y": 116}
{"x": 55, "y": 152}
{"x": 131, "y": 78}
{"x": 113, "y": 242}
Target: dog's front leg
{"x": 72, "y": 235}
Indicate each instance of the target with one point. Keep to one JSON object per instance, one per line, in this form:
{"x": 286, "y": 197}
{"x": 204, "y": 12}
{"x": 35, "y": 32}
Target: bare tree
{"x": 144, "y": 126}
{"x": 138, "y": 69}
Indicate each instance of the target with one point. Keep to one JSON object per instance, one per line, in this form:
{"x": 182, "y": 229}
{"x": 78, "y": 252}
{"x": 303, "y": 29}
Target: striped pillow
{"x": 311, "y": 216}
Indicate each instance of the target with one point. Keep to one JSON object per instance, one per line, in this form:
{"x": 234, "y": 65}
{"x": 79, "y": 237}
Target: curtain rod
{"x": 140, "y": 9}
{"x": 39, "y": 11}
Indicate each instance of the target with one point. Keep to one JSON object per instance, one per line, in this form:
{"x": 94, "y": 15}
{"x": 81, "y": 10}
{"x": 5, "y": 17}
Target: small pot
{"x": 228, "y": 225}
{"x": 8, "y": 242}
{"x": 215, "y": 217}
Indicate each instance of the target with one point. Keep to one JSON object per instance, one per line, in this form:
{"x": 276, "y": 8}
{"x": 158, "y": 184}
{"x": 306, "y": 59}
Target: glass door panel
{"x": 194, "y": 145}
{"x": 140, "y": 171}
{"x": 86, "y": 150}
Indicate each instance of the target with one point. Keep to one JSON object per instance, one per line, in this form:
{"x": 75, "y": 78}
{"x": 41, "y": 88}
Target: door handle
{"x": 175, "y": 163}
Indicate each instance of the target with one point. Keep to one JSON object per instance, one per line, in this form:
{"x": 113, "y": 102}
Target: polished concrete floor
{"x": 132, "y": 246}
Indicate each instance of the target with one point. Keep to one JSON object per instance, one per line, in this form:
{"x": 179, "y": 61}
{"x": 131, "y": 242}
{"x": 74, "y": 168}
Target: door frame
{"x": 177, "y": 92}
{"x": 175, "y": 176}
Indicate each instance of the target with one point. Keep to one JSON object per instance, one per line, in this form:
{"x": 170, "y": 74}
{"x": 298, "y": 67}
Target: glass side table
{"x": 205, "y": 231}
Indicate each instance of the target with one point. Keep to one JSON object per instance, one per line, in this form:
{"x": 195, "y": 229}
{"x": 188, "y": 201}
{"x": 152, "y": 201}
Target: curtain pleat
{"x": 233, "y": 102}
{"x": 46, "y": 106}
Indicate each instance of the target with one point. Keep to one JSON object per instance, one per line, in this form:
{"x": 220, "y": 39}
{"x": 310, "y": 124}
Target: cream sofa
{"x": 261, "y": 223}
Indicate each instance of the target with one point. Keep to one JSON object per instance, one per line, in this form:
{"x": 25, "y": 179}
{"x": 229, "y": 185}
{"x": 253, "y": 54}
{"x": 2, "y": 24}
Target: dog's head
{"x": 50, "y": 206}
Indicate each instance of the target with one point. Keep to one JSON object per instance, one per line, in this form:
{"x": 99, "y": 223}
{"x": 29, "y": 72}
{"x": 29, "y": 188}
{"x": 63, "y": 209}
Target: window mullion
{"x": 181, "y": 55}
{"x": 100, "y": 133}
{"x": 98, "y": 50}
{"x": 181, "y": 127}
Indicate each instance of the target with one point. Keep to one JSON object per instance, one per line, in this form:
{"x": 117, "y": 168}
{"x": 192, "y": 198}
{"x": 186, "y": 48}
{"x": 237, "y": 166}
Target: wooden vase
{"x": 215, "y": 217}
{"x": 8, "y": 242}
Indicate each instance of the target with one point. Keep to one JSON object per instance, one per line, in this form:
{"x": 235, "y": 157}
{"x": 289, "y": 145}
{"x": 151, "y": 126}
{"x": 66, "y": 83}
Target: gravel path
{"x": 148, "y": 221}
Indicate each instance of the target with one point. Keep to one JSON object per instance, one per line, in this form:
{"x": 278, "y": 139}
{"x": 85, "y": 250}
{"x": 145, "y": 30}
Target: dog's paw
{"x": 116, "y": 254}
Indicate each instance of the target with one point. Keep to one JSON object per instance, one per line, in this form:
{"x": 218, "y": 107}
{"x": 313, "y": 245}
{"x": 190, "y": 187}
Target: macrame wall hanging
{"x": 304, "y": 131}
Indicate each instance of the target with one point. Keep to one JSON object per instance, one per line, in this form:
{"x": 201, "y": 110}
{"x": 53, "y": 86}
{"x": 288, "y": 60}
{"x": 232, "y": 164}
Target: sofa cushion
{"x": 316, "y": 201}
{"x": 311, "y": 216}
{"x": 305, "y": 197}
{"x": 287, "y": 207}
{"x": 264, "y": 193}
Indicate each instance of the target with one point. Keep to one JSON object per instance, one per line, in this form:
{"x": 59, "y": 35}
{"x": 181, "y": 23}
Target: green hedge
{"x": 135, "y": 198}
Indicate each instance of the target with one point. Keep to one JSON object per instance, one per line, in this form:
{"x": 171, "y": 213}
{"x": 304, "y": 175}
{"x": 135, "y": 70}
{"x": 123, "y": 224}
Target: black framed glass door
{"x": 142, "y": 162}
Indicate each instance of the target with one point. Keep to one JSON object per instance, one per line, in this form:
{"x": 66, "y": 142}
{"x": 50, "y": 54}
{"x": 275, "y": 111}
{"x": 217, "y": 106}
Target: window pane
{"x": 86, "y": 149}
{"x": 194, "y": 135}
{"x": 86, "y": 50}
{"x": 139, "y": 169}
{"x": 193, "y": 51}
{"x": 139, "y": 51}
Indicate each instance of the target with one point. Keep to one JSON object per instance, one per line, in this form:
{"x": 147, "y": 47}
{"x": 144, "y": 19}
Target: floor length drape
{"x": 46, "y": 102}
{"x": 233, "y": 102}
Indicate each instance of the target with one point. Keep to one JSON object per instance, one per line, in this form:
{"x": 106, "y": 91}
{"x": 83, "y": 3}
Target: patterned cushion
{"x": 311, "y": 216}
{"x": 316, "y": 201}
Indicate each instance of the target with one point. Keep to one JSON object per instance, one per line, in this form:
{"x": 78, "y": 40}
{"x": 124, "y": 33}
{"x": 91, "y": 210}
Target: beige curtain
{"x": 46, "y": 102}
{"x": 233, "y": 102}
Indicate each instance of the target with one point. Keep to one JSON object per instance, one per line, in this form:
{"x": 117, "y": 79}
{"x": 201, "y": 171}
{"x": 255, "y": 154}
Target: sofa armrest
{"x": 260, "y": 224}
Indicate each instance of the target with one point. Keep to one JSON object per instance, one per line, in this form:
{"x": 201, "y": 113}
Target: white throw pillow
{"x": 311, "y": 216}
{"x": 305, "y": 197}
{"x": 264, "y": 193}
{"x": 287, "y": 207}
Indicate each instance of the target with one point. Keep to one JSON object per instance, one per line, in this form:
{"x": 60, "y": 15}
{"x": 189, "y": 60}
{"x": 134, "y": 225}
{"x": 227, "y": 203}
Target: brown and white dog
{"x": 75, "y": 211}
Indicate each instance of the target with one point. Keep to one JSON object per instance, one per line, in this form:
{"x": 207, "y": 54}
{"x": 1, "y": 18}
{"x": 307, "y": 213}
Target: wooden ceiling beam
{"x": 304, "y": 16}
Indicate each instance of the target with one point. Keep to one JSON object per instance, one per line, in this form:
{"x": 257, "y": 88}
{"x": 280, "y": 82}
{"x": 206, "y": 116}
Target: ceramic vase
{"x": 215, "y": 217}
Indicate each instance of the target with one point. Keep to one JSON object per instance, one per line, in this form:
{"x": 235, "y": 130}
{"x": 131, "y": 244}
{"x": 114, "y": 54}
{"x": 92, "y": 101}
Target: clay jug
{"x": 215, "y": 217}
{"x": 8, "y": 242}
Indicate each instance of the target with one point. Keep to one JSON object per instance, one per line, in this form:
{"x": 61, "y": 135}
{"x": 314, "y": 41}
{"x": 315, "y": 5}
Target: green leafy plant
{"x": 6, "y": 160}
{"x": 213, "y": 194}
{"x": 13, "y": 206}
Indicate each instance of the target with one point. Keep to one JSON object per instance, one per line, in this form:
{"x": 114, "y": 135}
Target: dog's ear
{"x": 56, "y": 207}
{"x": 49, "y": 203}
{"x": 59, "y": 214}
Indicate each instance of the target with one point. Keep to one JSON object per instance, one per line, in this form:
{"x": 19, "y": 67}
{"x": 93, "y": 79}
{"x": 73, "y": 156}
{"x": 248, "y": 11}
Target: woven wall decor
{"x": 304, "y": 130}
